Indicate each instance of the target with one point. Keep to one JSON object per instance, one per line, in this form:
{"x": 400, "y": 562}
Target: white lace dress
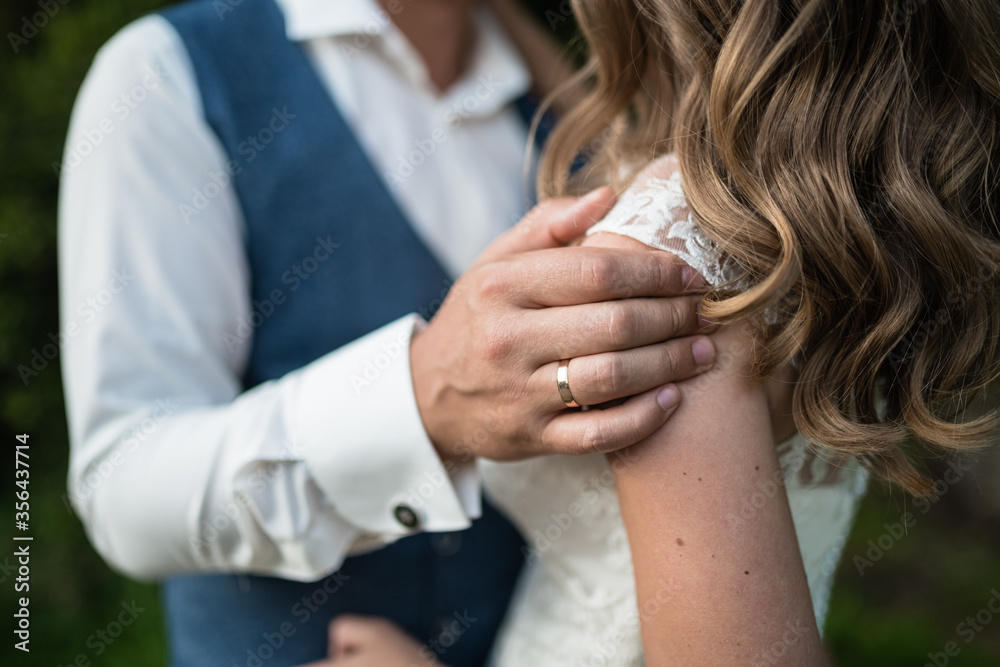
{"x": 575, "y": 605}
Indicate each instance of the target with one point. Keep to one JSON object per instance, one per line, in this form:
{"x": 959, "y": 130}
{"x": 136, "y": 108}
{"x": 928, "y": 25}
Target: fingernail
{"x": 668, "y": 398}
{"x": 595, "y": 194}
{"x": 703, "y": 350}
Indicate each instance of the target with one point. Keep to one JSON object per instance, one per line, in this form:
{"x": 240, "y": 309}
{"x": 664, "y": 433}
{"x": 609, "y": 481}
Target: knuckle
{"x": 632, "y": 431}
{"x": 658, "y": 270}
{"x": 522, "y": 435}
{"x": 610, "y": 434}
{"x": 494, "y": 280}
{"x": 598, "y": 273}
{"x": 623, "y": 324}
{"x": 675, "y": 314}
{"x": 673, "y": 358}
{"x": 597, "y": 437}
{"x": 497, "y": 342}
{"x": 611, "y": 376}
{"x": 552, "y": 440}
{"x": 653, "y": 272}
{"x": 671, "y": 272}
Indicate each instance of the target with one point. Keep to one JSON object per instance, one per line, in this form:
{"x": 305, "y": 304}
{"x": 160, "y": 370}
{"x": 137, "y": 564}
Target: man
{"x": 281, "y": 193}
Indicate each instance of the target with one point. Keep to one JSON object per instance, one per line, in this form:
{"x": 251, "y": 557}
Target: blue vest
{"x": 303, "y": 181}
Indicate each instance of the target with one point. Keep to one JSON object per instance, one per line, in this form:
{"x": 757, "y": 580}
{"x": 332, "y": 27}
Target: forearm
{"x": 283, "y": 479}
{"x": 177, "y": 492}
{"x": 736, "y": 589}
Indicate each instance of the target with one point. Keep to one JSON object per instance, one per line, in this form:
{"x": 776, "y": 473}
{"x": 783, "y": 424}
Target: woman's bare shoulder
{"x": 736, "y": 344}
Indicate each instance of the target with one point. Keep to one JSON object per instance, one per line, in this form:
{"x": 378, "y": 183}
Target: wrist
{"x": 427, "y": 390}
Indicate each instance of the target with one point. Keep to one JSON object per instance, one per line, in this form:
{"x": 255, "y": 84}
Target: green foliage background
{"x": 906, "y": 605}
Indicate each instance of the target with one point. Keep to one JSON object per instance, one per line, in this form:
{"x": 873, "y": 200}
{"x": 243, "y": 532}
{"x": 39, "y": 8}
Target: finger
{"x": 571, "y": 276}
{"x": 693, "y": 281}
{"x": 608, "y": 376}
{"x": 553, "y": 223}
{"x": 577, "y": 331}
{"x": 611, "y": 429}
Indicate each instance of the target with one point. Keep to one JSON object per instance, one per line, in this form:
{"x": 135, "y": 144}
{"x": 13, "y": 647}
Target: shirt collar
{"x": 312, "y": 19}
{"x": 496, "y": 75}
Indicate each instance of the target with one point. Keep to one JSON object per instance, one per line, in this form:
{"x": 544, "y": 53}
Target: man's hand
{"x": 484, "y": 370}
{"x": 369, "y": 641}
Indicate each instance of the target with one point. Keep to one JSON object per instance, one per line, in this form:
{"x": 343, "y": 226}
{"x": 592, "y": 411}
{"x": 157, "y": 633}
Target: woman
{"x": 828, "y": 167}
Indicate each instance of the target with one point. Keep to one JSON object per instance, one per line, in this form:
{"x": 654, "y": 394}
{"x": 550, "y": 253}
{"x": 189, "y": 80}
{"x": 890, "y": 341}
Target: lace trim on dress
{"x": 655, "y": 212}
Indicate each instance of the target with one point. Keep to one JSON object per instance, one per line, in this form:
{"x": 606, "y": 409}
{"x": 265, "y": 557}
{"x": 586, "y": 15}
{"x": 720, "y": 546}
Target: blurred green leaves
{"x": 73, "y": 593}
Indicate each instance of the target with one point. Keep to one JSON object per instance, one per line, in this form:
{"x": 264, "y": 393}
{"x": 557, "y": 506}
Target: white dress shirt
{"x": 173, "y": 467}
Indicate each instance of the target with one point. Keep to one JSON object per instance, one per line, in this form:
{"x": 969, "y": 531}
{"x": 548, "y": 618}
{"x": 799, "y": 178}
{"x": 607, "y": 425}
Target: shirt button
{"x": 406, "y": 516}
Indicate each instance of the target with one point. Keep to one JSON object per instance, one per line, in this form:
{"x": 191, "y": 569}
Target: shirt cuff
{"x": 354, "y": 417}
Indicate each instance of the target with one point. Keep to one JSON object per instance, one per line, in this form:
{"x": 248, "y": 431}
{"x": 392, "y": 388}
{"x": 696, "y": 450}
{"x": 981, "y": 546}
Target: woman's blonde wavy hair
{"x": 846, "y": 154}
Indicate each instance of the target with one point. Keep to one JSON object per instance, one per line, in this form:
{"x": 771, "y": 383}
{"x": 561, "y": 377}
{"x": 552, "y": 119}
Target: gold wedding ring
{"x": 562, "y": 382}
